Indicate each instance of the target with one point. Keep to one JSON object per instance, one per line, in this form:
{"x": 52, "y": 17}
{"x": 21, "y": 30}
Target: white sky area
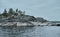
{"x": 47, "y": 9}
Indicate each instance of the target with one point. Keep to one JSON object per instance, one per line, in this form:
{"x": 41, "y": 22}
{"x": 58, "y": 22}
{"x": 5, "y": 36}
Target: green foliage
{"x": 11, "y": 11}
{"x": 4, "y": 13}
{"x": 15, "y": 14}
{"x": 20, "y": 11}
{"x": 16, "y": 10}
{"x": 0, "y": 15}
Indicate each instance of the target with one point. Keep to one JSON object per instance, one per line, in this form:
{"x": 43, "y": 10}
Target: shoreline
{"x": 27, "y": 24}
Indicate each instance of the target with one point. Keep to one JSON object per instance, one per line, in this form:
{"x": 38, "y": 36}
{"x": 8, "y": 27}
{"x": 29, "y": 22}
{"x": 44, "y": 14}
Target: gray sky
{"x": 47, "y": 9}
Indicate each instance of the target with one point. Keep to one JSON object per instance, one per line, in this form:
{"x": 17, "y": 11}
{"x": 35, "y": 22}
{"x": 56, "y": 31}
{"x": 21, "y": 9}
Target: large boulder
{"x": 21, "y": 18}
{"x": 40, "y": 19}
{"x": 28, "y": 18}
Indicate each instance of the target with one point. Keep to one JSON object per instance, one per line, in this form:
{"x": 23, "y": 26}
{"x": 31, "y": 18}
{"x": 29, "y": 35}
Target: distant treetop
{"x": 12, "y": 12}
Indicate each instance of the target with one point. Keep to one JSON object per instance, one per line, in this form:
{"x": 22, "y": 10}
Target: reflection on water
{"x": 15, "y": 32}
{"x": 37, "y": 31}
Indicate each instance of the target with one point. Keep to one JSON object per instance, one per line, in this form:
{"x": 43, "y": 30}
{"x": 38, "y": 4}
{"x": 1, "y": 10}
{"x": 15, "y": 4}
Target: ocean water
{"x": 37, "y": 31}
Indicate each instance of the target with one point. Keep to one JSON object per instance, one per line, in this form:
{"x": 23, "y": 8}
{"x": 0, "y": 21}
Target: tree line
{"x": 10, "y": 12}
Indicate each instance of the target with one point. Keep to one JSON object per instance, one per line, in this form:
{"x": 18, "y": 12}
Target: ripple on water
{"x": 37, "y": 31}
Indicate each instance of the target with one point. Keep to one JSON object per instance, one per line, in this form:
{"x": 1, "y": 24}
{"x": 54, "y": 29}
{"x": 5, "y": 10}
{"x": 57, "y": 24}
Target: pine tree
{"x": 11, "y": 11}
{"x": 16, "y": 10}
{"x": 4, "y": 13}
{"x": 19, "y": 12}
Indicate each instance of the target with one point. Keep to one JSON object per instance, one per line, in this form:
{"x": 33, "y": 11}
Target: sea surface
{"x": 36, "y": 31}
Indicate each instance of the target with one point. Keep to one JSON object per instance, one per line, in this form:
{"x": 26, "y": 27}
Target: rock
{"x": 8, "y": 24}
{"x": 58, "y": 25}
{"x": 15, "y": 24}
{"x": 39, "y": 19}
{"x": 24, "y": 24}
{"x": 28, "y": 18}
{"x": 24, "y": 20}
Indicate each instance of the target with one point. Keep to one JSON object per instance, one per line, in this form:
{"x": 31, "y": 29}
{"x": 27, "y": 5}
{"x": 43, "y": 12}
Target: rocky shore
{"x": 16, "y": 24}
{"x": 18, "y": 18}
{"x": 24, "y": 20}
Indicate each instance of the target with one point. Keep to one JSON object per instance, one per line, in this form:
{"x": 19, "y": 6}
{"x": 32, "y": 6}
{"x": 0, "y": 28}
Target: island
{"x": 19, "y": 18}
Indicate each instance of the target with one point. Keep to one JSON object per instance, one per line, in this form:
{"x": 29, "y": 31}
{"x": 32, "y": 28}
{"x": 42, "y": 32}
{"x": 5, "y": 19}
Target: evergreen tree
{"x": 16, "y": 10}
{"x": 19, "y": 12}
{"x": 5, "y": 13}
{"x": 11, "y": 11}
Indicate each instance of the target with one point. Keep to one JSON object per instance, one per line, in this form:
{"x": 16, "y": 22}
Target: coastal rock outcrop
{"x": 15, "y": 24}
{"x": 18, "y": 18}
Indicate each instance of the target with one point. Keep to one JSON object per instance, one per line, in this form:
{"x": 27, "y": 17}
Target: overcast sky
{"x": 47, "y": 9}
